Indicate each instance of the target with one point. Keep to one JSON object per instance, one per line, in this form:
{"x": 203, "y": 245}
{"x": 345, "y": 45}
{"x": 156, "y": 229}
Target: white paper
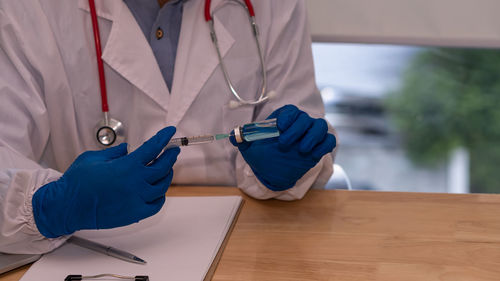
{"x": 178, "y": 243}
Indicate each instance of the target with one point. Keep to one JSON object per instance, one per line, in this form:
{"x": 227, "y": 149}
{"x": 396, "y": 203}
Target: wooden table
{"x": 359, "y": 235}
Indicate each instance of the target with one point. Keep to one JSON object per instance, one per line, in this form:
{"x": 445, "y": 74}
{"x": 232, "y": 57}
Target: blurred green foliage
{"x": 451, "y": 98}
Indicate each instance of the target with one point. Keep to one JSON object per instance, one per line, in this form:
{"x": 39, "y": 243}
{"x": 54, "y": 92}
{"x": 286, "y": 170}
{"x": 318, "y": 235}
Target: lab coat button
{"x": 159, "y": 33}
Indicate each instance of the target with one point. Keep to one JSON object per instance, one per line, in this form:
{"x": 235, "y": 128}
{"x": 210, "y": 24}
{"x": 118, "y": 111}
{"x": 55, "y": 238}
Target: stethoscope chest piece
{"x": 110, "y": 131}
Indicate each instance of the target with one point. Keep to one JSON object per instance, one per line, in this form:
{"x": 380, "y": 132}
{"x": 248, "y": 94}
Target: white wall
{"x": 471, "y": 23}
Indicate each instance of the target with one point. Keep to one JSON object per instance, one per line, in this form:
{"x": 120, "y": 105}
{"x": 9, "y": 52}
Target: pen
{"x": 107, "y": 250}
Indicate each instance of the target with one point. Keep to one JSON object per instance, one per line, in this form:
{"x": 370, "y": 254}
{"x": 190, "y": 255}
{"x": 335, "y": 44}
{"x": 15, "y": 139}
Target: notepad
{"x": 181, "y": 242}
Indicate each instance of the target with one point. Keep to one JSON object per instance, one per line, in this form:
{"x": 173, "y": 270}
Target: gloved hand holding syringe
{"x": 301, "y": 141}
{"x": 98, "y": 177}
{"x": 248, "y": 132}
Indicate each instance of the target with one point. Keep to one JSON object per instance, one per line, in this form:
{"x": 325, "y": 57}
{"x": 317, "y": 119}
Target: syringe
{"x": 248, "y": 132}
{"x": 188, "y": 141}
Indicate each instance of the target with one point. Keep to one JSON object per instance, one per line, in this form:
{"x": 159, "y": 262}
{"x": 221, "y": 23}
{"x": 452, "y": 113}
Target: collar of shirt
{"x": 161, "y": 27}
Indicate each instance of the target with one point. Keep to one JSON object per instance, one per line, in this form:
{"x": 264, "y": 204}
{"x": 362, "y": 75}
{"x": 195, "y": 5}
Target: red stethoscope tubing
{"x": 100, "y": 66}
{"x": 208, "y": 17}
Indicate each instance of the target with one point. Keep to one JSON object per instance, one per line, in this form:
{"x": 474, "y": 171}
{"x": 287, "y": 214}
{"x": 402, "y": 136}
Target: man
{"x": 50, "y": 101}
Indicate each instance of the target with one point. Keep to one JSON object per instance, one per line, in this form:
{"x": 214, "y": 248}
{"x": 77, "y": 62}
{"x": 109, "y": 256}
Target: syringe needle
{"x": 221, "y": 136}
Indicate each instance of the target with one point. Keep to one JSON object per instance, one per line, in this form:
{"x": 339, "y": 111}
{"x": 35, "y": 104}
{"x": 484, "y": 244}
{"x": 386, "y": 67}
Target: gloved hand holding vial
{"x": 278, "y": 163}
{"x": 279, "y": 150}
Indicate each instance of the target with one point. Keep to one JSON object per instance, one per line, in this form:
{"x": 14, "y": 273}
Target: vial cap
{"x": 237, "y": 135}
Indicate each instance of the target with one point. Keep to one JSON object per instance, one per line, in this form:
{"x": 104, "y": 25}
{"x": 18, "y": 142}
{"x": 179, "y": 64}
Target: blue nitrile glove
{"x": 280, "y": 162}
{"x": 106, "y": 189}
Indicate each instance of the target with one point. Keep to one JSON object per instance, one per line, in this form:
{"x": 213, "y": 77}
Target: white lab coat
{"x": 50, "y": 98}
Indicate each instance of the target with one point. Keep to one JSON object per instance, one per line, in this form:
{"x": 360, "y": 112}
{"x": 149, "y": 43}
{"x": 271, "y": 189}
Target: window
{"x": 413, "y": 118}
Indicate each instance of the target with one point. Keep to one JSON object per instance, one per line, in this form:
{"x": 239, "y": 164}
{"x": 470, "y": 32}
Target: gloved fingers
{"x": 314, "y": 135}
{"x": 162, "y": 165}
{"x": 296, "y": 130}
{"x": 151, "y": 192}
{"x": 152, "y": 208}
{"x": 232, "y": 139}
{"x": 114, "y": 152}
{"x": 326, "y": 146}
{"x": 285, "y": 116}
{"x": 288, "y": 107}
{"x": 148, "y": 151}
{"x": 241, "y": 146}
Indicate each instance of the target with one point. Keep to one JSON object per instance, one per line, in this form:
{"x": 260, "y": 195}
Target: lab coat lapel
{"x": 128, "y": 52}
{"x": 196, "y": 58}
{"x": 104, "y": 8}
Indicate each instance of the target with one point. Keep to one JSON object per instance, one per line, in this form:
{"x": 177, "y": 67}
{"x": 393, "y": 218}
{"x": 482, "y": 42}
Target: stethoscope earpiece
{"x": 234, "y": 104}
{"x": 271, "y": 94}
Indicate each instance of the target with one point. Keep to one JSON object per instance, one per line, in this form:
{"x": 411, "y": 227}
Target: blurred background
{"x": 413, "y": 89}
{"x": 422, "y": 119}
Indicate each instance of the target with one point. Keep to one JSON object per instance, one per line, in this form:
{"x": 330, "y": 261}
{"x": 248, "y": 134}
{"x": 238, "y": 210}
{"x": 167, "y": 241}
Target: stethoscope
{"x": 110, "y": 131}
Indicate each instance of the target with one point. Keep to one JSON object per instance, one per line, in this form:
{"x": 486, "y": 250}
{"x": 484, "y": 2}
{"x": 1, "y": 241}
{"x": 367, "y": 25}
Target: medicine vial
{"x": 256, "y": 131}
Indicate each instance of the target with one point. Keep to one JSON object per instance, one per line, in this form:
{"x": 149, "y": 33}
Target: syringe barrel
{"x": 176, "y": 142}
{"x": 258, "y": 130}
{"x": 186, "y": 141}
